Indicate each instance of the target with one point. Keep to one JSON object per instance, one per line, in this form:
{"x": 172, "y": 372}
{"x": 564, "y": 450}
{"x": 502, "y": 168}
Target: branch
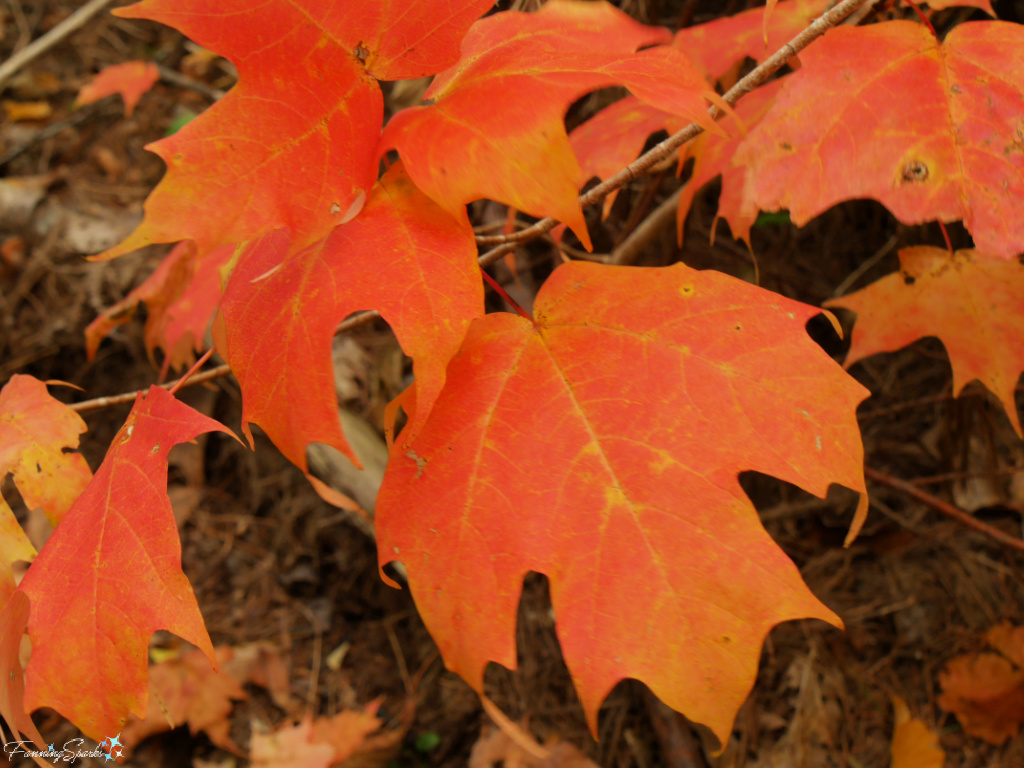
{"x": 508, "y": 243}
{"x": 219, "y": 372}
{"x": 51, "y": 38}
{"x": 947, "y": 509}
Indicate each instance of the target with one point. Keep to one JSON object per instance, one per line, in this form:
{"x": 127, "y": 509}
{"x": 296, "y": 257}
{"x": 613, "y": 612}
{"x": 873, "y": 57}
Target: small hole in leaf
{"x": 908, "y": 280}
{"x": 915, "y": 171}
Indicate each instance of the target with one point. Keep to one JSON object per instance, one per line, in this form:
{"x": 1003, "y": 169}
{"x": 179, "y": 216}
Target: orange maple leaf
{"x": 913, "y": 744}
{"x": 931, "y": 130}
{"x": 601, "y": 446}
{"x": 13, "y": 619}
{"x": 188, "y": 691}
{"x": 131, "y": 79}
{"x": 110, "y": 576}
{"x": 974, "y": 304}
{"x": 403, "y": 256}
{"x": 181, "y": 297}
{"x": 35, "y": 428}
{"x": 986, "y": 690}
{"x": 478, "y": 141}
{"x": 14, "y": 546}
{"x": 292, "y": 145}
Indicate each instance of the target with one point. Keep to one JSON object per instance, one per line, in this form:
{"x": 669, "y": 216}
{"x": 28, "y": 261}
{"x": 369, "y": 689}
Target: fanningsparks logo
{"x": 109, "y": 749}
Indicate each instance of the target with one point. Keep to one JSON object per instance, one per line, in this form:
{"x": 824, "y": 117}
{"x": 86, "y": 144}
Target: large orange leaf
{"x": 110, "y": 576}
{"x": 933, "y": 131}
{"x": 495, "y": 128}
{"x": 292, "y": 145}
{"x": 181, "y": 297}
{"x": 35, "y": 428}
{"x": 601, "y": 446}
{"x": 974, "y": 304}
{"x": 403, "y": 256}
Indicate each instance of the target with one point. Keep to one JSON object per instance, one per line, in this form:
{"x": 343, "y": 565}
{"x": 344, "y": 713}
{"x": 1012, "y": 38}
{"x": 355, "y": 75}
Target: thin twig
{"x": 105, "y": 402}
{"x": 630, "y": 248}
{"x": 174, "y": 77}
{"x": 640, "y": 166}
{"x": 76, "y": 117}
{"x": 357, "y": 320}
{"x": 947, "y": 509}
{"x": 51, "y": 38}
{"x": 854, "y": 276}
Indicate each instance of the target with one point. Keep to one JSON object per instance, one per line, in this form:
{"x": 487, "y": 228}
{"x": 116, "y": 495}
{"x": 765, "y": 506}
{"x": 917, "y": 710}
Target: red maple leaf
{"x": 110, "y": 576}
{"x": 292, "y": 145}
{"x": 181, "y": 299}
{"x": 403, "y": 256}
{"x": 601, "y": 445}
{"x": 931, "y": 130}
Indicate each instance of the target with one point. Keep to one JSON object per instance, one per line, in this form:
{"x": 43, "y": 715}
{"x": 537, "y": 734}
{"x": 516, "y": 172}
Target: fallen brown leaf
{"x": 986, "y": 690}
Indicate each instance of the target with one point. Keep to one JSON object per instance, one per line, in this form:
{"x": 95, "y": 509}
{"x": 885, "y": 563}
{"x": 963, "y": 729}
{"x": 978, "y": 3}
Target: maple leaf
{"x": 13, "y": 619}
{"x": 188, "y": 690}
{"x": 181, "y": 297}
{"x": 601, "y": 446}
{"x": 292, "y": 145}
{"x": 986, "y": 690}
{"x": 14, "y": 546}
{"x": 477, "y": 141}
{"x": 314, "y": 743}
{"x": 913, "y": 745}
{"x": 973, "y": 304}
{"x": 931, "y": 130}
{"x": 35, "y": 428}
{"x": 403, "y": 256}
{"x": 131, "y": 79}
{"x": 110, "y": 576}
{"x": 717, "y": 45}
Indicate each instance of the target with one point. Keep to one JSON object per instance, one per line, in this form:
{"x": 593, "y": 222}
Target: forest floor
{"x": 270, "y": 561}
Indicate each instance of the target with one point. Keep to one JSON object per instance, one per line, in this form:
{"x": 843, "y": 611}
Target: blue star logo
{"x": 115, "y": 741}
{"x": 50, "y": 747}
{"x": 107, "y": 757}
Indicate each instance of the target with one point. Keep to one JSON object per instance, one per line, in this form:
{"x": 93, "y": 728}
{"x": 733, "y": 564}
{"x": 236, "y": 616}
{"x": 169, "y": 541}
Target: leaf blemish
{"x": 421, "y": 463}
{"x": 915, "y": 171}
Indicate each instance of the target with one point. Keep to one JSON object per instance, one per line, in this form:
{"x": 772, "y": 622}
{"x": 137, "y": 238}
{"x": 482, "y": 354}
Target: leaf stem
{"x": 925, "y": 19}
{"x": 507, "y": 243}
{"x": 945, "y": 234}
{"x": 501, "y": 292}
{"x": 195, "y": 367}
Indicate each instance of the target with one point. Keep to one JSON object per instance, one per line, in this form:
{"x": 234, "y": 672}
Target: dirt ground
{"x": 271, "y": 561}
